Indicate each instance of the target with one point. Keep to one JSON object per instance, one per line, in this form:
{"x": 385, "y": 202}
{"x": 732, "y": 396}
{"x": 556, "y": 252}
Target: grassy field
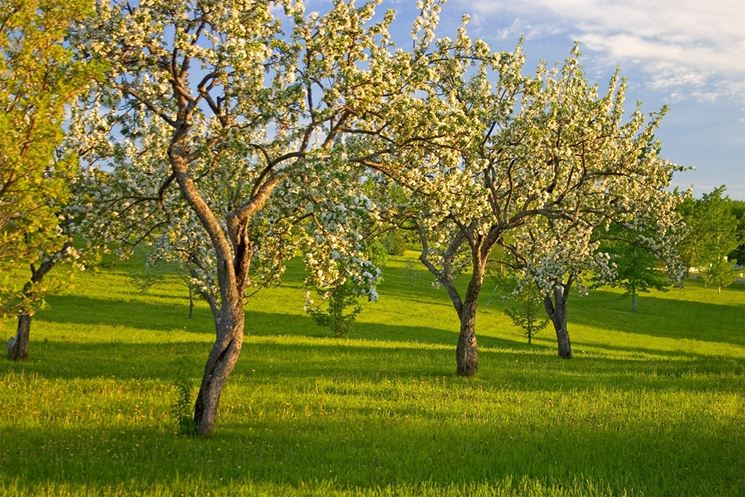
{"x": 652, "y": 405}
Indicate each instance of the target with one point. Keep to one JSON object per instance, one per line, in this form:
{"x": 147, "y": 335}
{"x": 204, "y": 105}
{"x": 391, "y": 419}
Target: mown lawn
{"x": 652, "y": 405}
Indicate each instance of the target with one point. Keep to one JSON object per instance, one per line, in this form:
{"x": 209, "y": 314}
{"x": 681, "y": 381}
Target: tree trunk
{"x": 18, "y": 345}
{"x": 466, "y": 353}
{"x": 556, "y": 308}
{"x": 191, "y": 300}
{"x": 220, "y": 364}
{"x": 633, "y": 301}
{"x": 562, "y": 338}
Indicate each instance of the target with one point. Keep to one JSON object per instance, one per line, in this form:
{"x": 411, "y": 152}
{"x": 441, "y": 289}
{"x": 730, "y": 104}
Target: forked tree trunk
{"x": 556, "y": 308}
{"x": 233, "y": 250}
{"x": 466, "y": 352}
{"x": 18, "y": 345}
{"x": 222, "y": 359}
{"x": 233, "y": 260}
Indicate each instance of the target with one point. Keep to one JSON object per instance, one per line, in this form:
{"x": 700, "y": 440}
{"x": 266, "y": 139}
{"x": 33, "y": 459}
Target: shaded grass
{"x": 652, "y": 405}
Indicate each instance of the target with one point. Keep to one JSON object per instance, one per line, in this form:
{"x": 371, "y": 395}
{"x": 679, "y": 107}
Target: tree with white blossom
{"x": 471, "y": 93}
{"x": 591, "y": 168}
{"x": 232, "y": 124}
{"x": 540, "y": 166}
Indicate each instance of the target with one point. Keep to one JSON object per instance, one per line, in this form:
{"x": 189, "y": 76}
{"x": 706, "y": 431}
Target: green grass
{"x": 652, "y": 404}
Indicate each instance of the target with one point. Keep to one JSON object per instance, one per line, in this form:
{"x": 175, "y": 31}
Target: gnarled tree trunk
{"x": 18, "y": 345}
{"x": 233, "y": 249}
{"x": 220, "y": 363}
{"x": 466, "y": 353}
{"x": 556, "y": 308}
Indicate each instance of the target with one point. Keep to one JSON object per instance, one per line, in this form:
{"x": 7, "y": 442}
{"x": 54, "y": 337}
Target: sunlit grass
{"x": 651, "y": 405}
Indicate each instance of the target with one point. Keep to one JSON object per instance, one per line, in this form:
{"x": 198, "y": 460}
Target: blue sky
{"x": 689, "y": 54}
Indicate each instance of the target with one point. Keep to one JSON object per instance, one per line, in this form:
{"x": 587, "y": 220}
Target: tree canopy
{"x": 40, "y": 77}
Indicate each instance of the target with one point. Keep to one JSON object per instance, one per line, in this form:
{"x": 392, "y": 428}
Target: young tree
{"x": 340, "y": 302}
{"x": 40, "y": 78}
{"x": 719, "y": 273}
{"x": 248, "y": 109}
{"x": 638, "y": 270}
{"x": 525, "y": 307}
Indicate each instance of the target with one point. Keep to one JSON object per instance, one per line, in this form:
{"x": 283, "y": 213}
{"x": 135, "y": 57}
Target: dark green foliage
{"x": 377, "y": 253}
{"x": 738, "y": 210}
{"x": 394, "y": 242}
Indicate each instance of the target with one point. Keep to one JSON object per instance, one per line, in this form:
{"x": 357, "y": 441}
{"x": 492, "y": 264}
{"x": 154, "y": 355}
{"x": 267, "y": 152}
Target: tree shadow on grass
{"x": 155, "y": 316}
{"x": 72, "y": 309}
{"x": 296, "y": 451}
{"x": 643, "y": 353}
{"x": 77, "y": 309}
{"x": 663, "y": 318}
{"x": 271, "y": 361}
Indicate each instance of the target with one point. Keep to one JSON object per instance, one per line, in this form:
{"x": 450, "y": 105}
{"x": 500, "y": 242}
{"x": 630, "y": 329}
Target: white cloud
{"x": 682, "y": 44}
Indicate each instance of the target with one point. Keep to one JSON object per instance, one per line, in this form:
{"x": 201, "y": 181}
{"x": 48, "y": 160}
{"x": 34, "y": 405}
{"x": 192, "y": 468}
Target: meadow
{"x": 652, "y": 404}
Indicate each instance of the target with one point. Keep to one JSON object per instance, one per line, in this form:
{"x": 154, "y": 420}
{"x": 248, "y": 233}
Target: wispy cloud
{"x": 686, "y": 45}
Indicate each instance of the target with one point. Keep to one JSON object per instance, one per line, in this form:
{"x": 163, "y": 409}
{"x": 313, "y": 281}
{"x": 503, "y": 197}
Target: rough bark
{"x": 232, "y": 260}
{"x": 18, "y": 345}
{"x": 466, "y": 353}
{"x": 222, "y": 359}
{"x": 556, "y": 308}
{"x": 562, "y": 338}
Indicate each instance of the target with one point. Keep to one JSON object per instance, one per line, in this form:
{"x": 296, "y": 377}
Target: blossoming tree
{"x": 588, "y": 168}
{"x": 540, "y": 166}
{"x": 233, "y": 124}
